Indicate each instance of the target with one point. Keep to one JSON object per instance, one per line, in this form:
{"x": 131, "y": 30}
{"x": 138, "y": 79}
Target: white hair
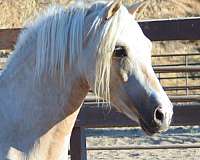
{"x": 59, "y": 35}
{"x": 59, "y": 39}
{"x": 109, "y": 35}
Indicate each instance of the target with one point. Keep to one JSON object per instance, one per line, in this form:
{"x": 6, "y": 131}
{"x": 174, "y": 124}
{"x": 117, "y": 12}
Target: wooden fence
{"x": 91, "y": 116}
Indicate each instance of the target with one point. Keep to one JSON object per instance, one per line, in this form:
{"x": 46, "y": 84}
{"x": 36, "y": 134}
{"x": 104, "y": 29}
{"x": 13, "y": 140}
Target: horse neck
{"x": 43, "y": 113}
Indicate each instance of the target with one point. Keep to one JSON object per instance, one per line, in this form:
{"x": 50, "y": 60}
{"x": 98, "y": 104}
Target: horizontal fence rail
{"x": 188, "y": 98}
{"x": 149, "y": 147}
{"x": 156, "y": 30}
{"x": 8, "y": 38}
{"x": 169, "y": 88}
{"x": 175, "y": 69}
{"x": 92, "y": 116}
{"x": 176, "y": 55}
{"x": 172, "y": 29}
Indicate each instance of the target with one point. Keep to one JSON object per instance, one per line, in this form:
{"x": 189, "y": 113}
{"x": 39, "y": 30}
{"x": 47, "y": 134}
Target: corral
{"x": 186, "y": 97}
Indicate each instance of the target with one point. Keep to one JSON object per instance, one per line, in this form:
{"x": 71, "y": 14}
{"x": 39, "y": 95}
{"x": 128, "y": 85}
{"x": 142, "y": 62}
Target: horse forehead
{"x": 133, "y": 38}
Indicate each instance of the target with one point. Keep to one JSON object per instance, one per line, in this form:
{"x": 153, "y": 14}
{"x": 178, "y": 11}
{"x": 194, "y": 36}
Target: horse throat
{"x": 58, "y": 149}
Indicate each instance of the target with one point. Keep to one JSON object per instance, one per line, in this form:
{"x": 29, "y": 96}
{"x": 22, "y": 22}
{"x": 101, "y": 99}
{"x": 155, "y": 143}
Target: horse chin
{"x": 149, "y": 130}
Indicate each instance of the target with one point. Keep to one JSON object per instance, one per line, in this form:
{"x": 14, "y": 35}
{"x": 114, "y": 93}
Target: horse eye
{"x": 120, "y": 52}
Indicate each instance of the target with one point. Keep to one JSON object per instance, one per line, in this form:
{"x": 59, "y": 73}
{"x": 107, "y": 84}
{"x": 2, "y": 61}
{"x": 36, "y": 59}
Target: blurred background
{"x": 14, "y": 13}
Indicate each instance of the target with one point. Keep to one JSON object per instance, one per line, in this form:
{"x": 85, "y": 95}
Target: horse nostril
{"x": 158, "y": 115}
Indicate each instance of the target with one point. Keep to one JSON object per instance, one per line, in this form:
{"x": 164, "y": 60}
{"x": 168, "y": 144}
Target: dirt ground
{"x": 134, "y": 136}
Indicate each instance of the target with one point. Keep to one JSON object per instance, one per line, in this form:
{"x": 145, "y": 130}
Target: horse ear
{"x": 136, "y": 8}
{"x": 112, "y": 9}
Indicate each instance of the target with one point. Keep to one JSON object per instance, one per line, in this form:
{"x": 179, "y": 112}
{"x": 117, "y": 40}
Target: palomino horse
{"x": 57, "y": 59}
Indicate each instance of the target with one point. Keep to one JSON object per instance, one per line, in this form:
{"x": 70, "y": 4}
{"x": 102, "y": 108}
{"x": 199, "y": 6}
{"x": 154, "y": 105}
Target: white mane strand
{"x": 108, "y": 39}
{"x": 59, "y": 40}
{"x": 59, "y": 37}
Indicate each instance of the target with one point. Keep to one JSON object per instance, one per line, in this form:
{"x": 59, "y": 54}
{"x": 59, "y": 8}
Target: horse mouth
{"x": 148, "y": 129}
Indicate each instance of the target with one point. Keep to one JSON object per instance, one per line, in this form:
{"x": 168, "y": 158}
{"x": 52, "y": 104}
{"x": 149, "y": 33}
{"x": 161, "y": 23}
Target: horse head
{"x": 121, "y": 71}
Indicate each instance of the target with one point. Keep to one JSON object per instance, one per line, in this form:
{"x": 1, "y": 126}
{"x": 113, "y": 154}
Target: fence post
{"x": 78, "y": 144}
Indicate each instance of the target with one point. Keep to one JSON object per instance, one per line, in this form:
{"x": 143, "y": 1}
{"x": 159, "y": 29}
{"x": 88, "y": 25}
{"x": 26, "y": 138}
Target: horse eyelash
{"x": 120, "y": 52}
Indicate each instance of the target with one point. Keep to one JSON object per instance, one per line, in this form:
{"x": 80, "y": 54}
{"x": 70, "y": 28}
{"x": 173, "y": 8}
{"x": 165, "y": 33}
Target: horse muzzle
{"x": 159, "y": 120}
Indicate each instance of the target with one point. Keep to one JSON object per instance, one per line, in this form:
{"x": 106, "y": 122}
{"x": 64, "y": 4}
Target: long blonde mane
{"x": 109, "y": 35}
{"x": 59, "y": 38}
